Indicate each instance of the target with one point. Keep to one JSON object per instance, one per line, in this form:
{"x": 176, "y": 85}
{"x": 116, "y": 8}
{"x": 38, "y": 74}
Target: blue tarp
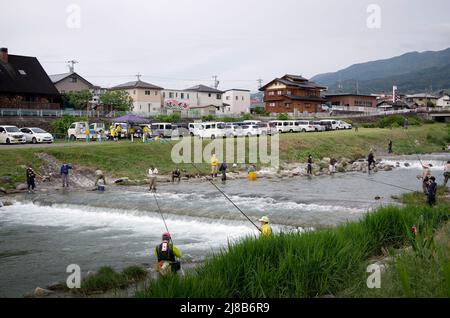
{"x": 130, "y": 118}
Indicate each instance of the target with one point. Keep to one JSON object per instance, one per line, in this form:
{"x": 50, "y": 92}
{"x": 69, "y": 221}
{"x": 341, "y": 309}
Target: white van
{"x": 11, "y": 135}
{"x": 194, "y": 128}
{"x": 344, "y": 125}
{"x": 333, "y": 123}
{"x": 305, "y": 126}
{"x": 278, "y": 125}
{"x": 162, "y": 130}
{"x": 212, "y": 130}
{"x": 77, "y": 130}
{"x": 251, "y": 122}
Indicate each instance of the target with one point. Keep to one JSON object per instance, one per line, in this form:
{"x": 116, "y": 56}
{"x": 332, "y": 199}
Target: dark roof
{"x": 237, "y": 89}
{"x": 36, "y": 80}
{"x": 203, "y": 89}
{"x": 56, "y": 78}
{"x": 349, "y": 94}
{"x": 295, "y": 81}
{"x": 136, "y": 84}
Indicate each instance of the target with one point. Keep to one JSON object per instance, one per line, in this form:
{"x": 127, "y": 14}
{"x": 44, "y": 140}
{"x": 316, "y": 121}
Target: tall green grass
{"x": 300, "y": 265}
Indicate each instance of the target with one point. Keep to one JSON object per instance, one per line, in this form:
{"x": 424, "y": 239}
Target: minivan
{"x": 162, "y": 130}
{"x": 212, "y": 130}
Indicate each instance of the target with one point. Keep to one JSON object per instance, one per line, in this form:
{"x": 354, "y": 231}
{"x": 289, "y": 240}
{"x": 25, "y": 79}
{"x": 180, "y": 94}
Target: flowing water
{"x": 41, "y": 234}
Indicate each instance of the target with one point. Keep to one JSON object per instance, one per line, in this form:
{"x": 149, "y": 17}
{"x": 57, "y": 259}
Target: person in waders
{"x": 65, "y": 174}
{"x": 167, "y": 255}
{"x": 223, "y": 168}
{"x": 176, "y": 174}
{"x": 309, "y": 167}
{"x": 447, "y": 172}
{"x": 152, "y": 173}
{"x": 31, "y": 175}
{"x": 265, "y": 228}
{"x": 390, "y": 146}
{"x": 432, "y": 190}
{"x": 370, "y": 160}
{"x": 214, "y": 165}
{"x": 426, "y": 175}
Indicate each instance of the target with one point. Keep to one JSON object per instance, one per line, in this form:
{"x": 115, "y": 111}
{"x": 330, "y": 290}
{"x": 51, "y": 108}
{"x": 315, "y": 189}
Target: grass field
{"x": 126, "y": 159}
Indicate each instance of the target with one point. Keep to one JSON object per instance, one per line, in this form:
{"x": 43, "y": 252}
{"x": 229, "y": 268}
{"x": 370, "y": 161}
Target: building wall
{"x": 353, "y": 101}
{"x": 291, "y": 106}
{"x": 178, "y": 100}
{"x": 66, "y": 85}
{"x": 205, "y": 99}
{"x": 145, "y": 104}
{"x": 443, "y": 101}
{"x": 239, "y": 102}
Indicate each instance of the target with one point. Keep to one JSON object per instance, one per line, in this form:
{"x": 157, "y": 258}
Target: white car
{"x": 251, "y": 130}
{"x": 11, "y": 135}
{"x": 333, "y": 124}
{"x": 317, "y": 126}
{"x": 304, "y": 126}
{"x": 233, "y": 130}
{"x": 36, "y": 135}
{"x": 193, "y": 128}
{"x": 344, "y": 125}
{"x": 212, "y": 130}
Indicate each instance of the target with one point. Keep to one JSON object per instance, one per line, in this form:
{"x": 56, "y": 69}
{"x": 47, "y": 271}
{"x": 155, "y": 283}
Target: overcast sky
{"x": 180, "y": 43}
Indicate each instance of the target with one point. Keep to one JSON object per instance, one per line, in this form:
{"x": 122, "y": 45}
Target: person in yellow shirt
{"x": 145, "y": 133}
{"x": 265, "y": 228}
{"x": 167, "y": 255}
{"x": 214, "y": 165}
{"x": 88, "y": 135}
{"x": 112, "y": 133}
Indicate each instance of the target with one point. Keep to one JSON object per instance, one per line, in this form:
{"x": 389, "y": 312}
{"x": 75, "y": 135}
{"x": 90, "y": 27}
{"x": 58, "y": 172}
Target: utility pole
{"x": 72, "y": 65}
{"x": 216, "y": 82}
{"x": 260, "y": 82}
{"x": 138, "y": 75}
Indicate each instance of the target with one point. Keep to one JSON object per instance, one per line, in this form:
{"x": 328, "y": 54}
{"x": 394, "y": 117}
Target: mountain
{"x": 411, "y": 72}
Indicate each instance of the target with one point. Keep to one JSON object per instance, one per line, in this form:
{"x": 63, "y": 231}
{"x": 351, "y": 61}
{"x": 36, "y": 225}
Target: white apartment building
{"x": 236, "y": 101}
{"x": 443, "y": 101}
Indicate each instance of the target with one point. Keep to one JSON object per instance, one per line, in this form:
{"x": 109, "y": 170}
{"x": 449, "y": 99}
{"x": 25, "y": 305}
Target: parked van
{"x": 77, "y": 130}
{"x": 251, "y": 122}
{"x": 94, "y": 128}
{"x": 251, "y": 130}
{"x": 180, "y": 130}
{"x": 317, "y": 126}
{"x": 194, "y": 128}
{"x": 212, "y": 130}
{"x": 344, "y": 125}
{"x": 11, "y": 135}
{"x": 333, "y": 123}
{"x": 278, "y": 125}
{"x": 162, "y": 130}
{"x": 233, "y": 130}
{"x": 304, "y": 126}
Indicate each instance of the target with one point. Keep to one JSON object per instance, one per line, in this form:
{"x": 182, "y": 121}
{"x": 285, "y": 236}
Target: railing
{"x": 23, "y": 112}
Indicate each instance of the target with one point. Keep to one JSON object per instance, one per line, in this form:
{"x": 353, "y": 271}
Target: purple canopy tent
{"x": 131, "y": 119}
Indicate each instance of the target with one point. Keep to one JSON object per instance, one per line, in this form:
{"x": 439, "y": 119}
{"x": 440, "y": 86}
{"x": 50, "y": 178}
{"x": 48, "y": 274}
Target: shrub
{"x": 283, "y": 116}
{"x": 61, "y": 125}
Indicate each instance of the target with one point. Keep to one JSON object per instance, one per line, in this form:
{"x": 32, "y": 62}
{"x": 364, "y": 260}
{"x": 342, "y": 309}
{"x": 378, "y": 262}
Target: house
{"x": 353, "y": 102}
{"x": 146, "y": 97}
{"x": 293, "y": 94}
{"x": 25, "y": 84}
{"x": 178, "y": 101}
{"x": 421, "y": 99}
{"x": 236, "y": 101}
{"x": 443, "y": 101}
{"x": 398, "y": 105}
{"x": 206, "y": 96}
{"x": 70, "y": 82}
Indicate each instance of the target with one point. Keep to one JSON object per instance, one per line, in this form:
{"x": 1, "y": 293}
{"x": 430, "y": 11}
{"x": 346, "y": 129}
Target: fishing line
{"x": 223, "y": 193}
{"x": 160, "y": 212}
{"x": 388, "y": 184}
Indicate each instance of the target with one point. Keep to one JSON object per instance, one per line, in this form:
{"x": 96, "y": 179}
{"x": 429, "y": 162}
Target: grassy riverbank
{"x": 126, "y": 159}
{"x": 326, "y": 261}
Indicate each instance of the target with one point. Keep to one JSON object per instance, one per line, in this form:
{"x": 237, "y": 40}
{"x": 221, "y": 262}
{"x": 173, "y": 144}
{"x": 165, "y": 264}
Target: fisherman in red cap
{"x": 167, "y": 255}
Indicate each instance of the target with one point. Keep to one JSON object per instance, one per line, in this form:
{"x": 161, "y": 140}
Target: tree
{"x": 283, "y": 116}
{"x": 119, "y": 100}
{"x": 430, "y": 104}
{"x": 77, "y": 100}
{"x": 61, "y": 125}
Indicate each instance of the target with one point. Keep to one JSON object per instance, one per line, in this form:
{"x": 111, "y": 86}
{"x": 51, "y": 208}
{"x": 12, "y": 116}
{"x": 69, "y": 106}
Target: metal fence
{"x": 23, "y": 112}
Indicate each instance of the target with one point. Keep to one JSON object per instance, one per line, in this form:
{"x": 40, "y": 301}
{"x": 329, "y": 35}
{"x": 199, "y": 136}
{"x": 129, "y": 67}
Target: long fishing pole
{"x": 223, "y": 193}
{"x": 160, "y": 212}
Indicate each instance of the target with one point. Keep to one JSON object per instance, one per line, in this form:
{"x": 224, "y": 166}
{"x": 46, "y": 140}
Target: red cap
{"x": 166, "y": 236}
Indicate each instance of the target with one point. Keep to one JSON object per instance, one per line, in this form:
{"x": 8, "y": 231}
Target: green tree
{"x": 283, "y": 116}
{"x": 77, "y": 100}
{"x": 61, "y": 125}
{"x": 119, "y": 100}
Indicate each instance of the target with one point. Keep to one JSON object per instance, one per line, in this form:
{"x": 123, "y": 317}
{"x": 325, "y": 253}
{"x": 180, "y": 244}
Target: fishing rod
{"x": 160, "y": 212}
{"x": 223, "y": 193}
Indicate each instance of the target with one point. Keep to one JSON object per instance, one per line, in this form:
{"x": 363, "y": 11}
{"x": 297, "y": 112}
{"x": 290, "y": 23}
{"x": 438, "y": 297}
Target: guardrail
{"x": 23, "y": 112}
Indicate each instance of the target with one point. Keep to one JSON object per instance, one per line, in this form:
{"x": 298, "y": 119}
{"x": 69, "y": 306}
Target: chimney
{"x": 4, "y": 55}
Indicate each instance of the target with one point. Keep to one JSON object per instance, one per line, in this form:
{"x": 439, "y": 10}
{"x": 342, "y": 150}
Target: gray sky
{"x": 180, "y": 43}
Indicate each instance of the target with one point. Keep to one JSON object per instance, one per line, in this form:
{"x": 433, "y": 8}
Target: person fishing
{"x": 31, "y": 175}
{"x": 65, "y": 174}
{"x": 432, "y": 190}
{"x": 390, "y": 146}
{"x": 446, "y": 172}
{"x": 214, "y": 165}
{"x": 100, "y": 176}
{"x": 371, "y": 160}
{"x": 265, "y": 228}
{"x": 426, "y": 175}
{"x": 309, "y": 167}
{"x": 176, "y": 174}
{"x": 223, "y": 168}
{"x": 167, "y": 255}
{"x": 152, "y": 173}
{"x": 332, "y": 166}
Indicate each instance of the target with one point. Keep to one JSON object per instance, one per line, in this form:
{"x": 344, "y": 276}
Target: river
{"x": 41, "y": 234}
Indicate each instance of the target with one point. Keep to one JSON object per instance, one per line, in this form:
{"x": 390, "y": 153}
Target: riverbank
{"x": 312, "y": 264}
{"x": 132, "y": 160}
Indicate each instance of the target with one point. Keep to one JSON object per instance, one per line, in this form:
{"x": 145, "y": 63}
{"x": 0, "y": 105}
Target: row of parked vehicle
{"x": 14, "y": 135}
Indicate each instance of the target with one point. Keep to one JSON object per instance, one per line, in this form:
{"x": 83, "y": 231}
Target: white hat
{"x": 264, "y": 219}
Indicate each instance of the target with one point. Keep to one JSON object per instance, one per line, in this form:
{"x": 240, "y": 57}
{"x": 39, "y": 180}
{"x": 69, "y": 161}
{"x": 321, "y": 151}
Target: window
{"x": 2, "y": 130}
{"x": 182, "y": 95}
{"x": 227, "y": 98}
{"x": 187, "y": 96}
{"x": 237, "y": 97}
{"x": 22, "y": 72}
{"x": 289, "y": 92}
{"x": 170, "y": 95}
{"x": 272, "y": 104}
{"x": 134, "y": 92}
{"x": 271, "y": 93}
{"x": 218, "y": 96}
{"x": 176, "y": 95}
{"x": 164, "y": 94}
{"x": 73, "y": 79}
{"x": 209, "y": 95}
{"x": 147, "y": 92}
{"x": 242, "y": 97}
{"x": 156, "y": 93}
{"x": 279, "y": 92}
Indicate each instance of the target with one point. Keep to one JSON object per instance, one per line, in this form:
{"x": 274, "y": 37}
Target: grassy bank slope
{"x": 302, "y": 265}
{"x": 133, "y": 159}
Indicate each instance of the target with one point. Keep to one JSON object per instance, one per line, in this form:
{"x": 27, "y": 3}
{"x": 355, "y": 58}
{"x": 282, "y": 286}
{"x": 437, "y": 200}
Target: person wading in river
{"x": 265, "y": 228}
{"x": 31, "y": 175}
{"x": 152, "y": 173}
{"x": 426, "y": 177}
{"x": 176, "y": 174}
{"x": 214, "y": 165}
{"x": 167, "y": 255}
{"x": 223, "y": 168}
{"x": 432, "y": 190}
{"x": 370, "y": 160}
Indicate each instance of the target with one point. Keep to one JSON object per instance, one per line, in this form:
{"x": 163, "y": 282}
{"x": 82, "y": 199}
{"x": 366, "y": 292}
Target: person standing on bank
{"x": 266, "y": 230}
{"x": 214, "y": 165}
{"x": 223, "y": 168}
{"x": 152, "y": 173}
{"x": 65, "y": 174}
{"x": 31, "y": 175}
{"x": 370, "y": 160}
{"x": 309, "y": 168}
{"x": 176, "y": 174}
{"x": 432, "y": 190}
{"x": 390, "y": 146}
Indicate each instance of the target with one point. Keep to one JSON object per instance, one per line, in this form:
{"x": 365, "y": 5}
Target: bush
{"x": 209, "y": 118}
{"x": 61, "y": 125}
{"x": 283, "y": 116}
{"x": 172, "y": 118}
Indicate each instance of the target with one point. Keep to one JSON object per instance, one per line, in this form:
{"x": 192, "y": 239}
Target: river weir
{"x": 41, "y": 234}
